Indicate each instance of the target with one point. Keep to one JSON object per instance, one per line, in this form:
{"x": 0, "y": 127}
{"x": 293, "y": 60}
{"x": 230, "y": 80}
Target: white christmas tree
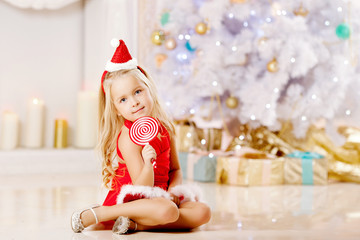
{"x": 268, "y": 62}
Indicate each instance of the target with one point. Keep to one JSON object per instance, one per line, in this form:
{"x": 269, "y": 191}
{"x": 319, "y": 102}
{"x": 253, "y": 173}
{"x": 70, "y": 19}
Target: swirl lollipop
{"x": 143, "y": 130}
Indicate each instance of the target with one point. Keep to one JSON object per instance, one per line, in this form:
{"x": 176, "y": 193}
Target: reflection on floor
{"x": 40, "y": 206}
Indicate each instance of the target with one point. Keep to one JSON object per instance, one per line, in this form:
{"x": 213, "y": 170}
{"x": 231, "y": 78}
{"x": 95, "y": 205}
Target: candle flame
{"x": 35, "y": 101}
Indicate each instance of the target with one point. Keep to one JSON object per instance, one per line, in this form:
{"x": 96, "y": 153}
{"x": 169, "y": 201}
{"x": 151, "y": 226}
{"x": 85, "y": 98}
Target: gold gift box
{"x": 190, "y": 138}
{"x": 294, "y": 174}
{"x": 186, "y": 138}
{"x": 250, "y": 169}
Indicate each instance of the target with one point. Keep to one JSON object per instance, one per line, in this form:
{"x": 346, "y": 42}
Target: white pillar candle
{"x": 34, "y": 124}
{"x": 86, "y": 121}
{"x": 9, "y": 131}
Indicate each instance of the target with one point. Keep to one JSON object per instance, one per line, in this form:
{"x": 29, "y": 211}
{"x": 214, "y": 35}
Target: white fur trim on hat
{"x": 112, "y": 67}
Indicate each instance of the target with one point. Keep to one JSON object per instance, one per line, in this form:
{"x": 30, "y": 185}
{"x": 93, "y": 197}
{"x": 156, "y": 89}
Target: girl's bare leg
{"x": 147, "y": 212}
{"x": 192, "y": 215}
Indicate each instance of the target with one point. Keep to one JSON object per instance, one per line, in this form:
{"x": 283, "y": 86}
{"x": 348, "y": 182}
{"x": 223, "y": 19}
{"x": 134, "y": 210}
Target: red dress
{"x": 161, "y": 166}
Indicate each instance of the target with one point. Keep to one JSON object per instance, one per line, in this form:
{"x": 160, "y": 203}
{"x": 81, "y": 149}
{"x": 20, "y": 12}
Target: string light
{"x": 292, "y": 60}
{"x": 303, "y": 118}
{"x": 268, "y": 106}
{"x": 203, "y": 141}
{"x": 339, "y": 9}
{"x": 234, "y": 48}
{"x": 192, "y": 111}
{"x": 241, "y": 137}
{"x": 218, "y": 43}
{"x": 313, "y": 96}
{"x": 276, "y": 90}
{"x": 188, "y": 135}
{"x": 252, "y": 117}
{"x": 181, "y": 37}
{"x": 187, "y": 37}
{"x": 246, "y": 24}
{"x": 182, "y": 56}
{"x": 214, "y": 83}
{"x": 231, "y": 15}
{"x": 335, "y": 79}
{"x": 348, "y": 112}
{"x": 327, "y": 23}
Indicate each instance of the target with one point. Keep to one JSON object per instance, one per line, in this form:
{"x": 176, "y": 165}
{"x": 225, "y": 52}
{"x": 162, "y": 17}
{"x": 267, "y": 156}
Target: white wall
{"x": 41, "y": 56}
{"x": 52, "y": 54}
{"x": 105, "y": 20}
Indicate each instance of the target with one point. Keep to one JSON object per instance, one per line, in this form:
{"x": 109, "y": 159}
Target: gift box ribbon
{"x": 306, "y": 164}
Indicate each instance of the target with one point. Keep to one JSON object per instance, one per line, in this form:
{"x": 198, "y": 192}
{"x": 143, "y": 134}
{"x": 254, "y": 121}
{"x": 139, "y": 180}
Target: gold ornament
{"x": 301, "y": 11}
{"x": 238, "y": 1}
{"x": 262, "y": 40}
{"x": 170, "y": 43}
{"x": 201, "y": 28}
{"x": 272, "y": 66}
{"x": 232, "y": 102}
{"x": 157, "y": 37}
{"x": 159, "y": 59}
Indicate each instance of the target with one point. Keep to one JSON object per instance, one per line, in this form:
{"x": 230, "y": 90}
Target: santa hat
{"x": 120, "y": 60}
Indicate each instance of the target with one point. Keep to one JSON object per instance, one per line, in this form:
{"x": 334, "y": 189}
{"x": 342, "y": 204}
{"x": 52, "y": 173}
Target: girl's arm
{"x": 175, "y": 175}
{"x": 140, "y": 170}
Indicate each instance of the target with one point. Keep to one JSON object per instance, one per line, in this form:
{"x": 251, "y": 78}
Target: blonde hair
{"x": 110, "y": 123}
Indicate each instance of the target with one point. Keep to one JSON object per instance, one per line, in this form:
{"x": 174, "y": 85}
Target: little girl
{"x": 127, "y": 93}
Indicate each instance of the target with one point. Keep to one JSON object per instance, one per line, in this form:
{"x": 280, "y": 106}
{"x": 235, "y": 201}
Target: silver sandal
{"x": 76, "y": 223}
{"x": 122, "y": 224}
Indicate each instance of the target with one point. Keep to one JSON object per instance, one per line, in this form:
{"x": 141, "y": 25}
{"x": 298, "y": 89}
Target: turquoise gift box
{"x": 307, "y": 168}
{"x": 198, "y": 166}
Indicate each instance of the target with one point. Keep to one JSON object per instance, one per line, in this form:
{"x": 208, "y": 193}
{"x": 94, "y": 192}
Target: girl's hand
{"x": 175, "y": 199}
{"x": 149, "y": 154}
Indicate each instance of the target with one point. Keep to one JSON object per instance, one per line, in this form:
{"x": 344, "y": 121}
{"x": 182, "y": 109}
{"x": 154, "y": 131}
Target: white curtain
{"x": 40, "y": 4}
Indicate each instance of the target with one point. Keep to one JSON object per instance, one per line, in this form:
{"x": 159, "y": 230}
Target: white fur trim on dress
{"x": 147, "y": 191}
{"x": 188, "y": 192}
{"x": 112, "y": 67}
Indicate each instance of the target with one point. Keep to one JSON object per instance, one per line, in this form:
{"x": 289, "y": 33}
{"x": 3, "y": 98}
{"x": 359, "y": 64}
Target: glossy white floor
{"x": 39, "y": 207}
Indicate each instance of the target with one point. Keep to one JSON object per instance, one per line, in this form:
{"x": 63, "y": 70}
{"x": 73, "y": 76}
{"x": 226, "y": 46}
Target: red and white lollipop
{"x": 143, "y": 130}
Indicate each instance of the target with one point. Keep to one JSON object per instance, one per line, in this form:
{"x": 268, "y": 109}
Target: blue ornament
{"x": 343, "y": 31}
{"x": 164, "y": 18}
{"x": 189, "y": 47}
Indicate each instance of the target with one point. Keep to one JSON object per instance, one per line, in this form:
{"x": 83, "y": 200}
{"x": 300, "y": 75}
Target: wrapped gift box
{"x": 250, "y": 169}
{"x": 306, "y": 168}
{"x": 187, "y": 137}
{"x": 190, "y": 138}
{"x": 198, "y": 166}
